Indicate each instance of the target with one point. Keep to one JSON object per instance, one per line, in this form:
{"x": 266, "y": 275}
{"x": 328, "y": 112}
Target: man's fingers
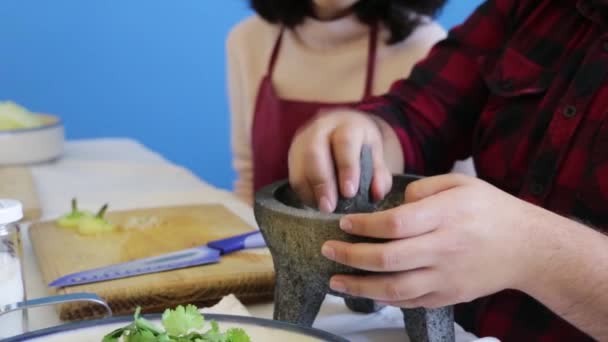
{"x": 427, "y": 187}
{"x": 407, "y": 220}
{"x": 393, "y": 256}
{"x": 391, "y": 288}
{"x": 432, "y": 300}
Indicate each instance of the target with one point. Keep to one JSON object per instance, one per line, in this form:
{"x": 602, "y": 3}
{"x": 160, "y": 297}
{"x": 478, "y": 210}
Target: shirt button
{"x": 569, "y": 111}
{"x": 536, "y": 189}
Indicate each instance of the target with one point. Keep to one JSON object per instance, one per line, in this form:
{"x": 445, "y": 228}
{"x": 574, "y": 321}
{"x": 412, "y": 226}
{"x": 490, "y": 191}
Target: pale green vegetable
{"x": 14, "y": 116}
{"x": 86, "y": 222}
{"x": 97, "y": 224}
{"x": 73, "y": 218}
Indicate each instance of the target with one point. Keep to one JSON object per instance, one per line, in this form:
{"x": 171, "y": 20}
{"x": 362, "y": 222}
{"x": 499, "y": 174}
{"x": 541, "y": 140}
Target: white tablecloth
{"x": 127, "y": 175}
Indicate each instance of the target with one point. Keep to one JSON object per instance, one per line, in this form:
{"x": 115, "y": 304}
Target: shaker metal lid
{"x": 10, "y": 211}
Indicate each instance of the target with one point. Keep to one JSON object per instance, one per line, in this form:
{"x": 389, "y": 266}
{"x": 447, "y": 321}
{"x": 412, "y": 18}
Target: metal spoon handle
{"x": 58, "y": 299}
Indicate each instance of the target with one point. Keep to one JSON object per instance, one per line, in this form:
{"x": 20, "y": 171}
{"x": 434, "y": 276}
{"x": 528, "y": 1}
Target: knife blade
{"x": 201, "y": 255}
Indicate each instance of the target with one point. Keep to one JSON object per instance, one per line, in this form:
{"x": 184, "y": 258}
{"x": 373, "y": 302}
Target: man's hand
{"x": 456, "y": 239}
{"x": 332, "y": 144}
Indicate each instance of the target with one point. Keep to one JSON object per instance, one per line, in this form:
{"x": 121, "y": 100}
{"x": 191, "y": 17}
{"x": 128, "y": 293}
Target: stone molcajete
{"x": 295, "y": 233}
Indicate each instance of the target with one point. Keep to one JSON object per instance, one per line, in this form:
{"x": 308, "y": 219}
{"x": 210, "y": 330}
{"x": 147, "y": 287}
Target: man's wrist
{"x": 556, "y": 256}
{"x": 543, "y": 250}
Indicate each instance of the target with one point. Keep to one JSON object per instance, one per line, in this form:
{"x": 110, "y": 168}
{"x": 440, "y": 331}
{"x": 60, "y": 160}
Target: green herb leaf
{"x": 143, "y": 324}
{"x": 164, "y": 337}
{"x": 237, "y": 335}
{"x": 213, "y": 336}
{"x": 141, "y": 336}
{"x": 114, "y": 335}
{"x": 180, "y": 325}
{"x": 215, "y": 327}
{"x": 181, "y": 320}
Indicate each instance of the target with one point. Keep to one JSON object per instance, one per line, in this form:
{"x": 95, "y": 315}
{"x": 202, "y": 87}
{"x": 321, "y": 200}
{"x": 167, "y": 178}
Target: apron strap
{"x": 371, "y": 61}
{"x": 275, "y": 53}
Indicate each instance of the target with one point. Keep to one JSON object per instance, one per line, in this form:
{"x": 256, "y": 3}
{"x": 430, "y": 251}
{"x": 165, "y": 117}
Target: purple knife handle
{"x": 239, "y": 242}
{"x": 255, "y": 241}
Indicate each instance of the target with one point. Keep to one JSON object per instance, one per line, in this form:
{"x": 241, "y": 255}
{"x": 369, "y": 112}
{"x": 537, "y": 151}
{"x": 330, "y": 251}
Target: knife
{"x": 206, "y": 254}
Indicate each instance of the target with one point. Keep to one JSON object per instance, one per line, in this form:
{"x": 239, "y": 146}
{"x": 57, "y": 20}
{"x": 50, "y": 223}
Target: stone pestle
{"x": 360, "y": 203}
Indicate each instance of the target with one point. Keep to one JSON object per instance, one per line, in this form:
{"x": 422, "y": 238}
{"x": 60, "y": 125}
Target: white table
{"x": 128, "y": 175}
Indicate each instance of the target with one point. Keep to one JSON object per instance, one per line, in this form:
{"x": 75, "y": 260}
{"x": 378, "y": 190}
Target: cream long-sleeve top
{"x": 329, "y": 53}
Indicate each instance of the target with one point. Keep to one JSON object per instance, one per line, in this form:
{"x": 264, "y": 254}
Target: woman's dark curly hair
{"x": 401, "y": 17}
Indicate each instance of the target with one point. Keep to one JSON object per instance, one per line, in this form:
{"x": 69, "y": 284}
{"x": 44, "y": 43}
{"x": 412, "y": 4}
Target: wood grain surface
{"x": 18, "y": 183}
{"x": 247, "y": 274}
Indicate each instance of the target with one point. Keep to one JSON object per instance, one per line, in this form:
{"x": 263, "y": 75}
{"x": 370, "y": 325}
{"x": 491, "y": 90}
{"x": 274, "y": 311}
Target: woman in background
{"x": 297, "y": 57}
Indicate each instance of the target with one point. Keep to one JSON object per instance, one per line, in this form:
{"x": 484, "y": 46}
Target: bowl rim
{"x": 264, "y": 322}
{"x": 266, "y": 198}
{"x": 57, "y": 122}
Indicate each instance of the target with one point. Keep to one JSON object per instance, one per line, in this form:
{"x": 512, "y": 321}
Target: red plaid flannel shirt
{"x": 522, "y": 86}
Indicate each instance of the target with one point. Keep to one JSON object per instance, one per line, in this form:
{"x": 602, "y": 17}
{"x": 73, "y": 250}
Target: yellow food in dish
{"x": 14, "y": 117}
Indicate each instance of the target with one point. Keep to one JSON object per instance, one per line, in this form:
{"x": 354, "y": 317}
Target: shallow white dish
{"x": 258, "y": 329}
{"x": 32, "y": 145}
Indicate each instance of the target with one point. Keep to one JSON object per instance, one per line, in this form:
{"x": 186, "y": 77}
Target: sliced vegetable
{"x": 86, "y": 222}
{"x": 73, "y": 219}
{"x": 96, "y": 224}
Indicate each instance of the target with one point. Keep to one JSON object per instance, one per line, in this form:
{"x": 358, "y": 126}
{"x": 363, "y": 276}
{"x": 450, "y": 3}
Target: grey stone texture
{"x": 295, "y": 234}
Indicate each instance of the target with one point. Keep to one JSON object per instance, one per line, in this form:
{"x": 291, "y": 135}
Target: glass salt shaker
{"x": 13, "y": 303}
{"x": 12, "y": 286}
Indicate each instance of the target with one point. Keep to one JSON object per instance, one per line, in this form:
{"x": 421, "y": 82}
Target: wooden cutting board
{"x": 247, "y": 274}
{"x": 18, "y": 183}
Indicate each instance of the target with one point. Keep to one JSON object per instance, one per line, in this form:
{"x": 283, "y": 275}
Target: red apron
{"x": 276, "y": 120}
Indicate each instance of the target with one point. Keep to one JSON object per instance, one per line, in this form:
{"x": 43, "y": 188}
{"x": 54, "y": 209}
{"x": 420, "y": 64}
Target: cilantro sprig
{"x": 183, "y": 324}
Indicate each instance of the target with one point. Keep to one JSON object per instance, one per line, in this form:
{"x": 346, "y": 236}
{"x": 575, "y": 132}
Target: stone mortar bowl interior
{"x": 295, "y": 234}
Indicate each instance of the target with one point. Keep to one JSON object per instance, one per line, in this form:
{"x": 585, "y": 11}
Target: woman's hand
{"x": 331, "y": 144}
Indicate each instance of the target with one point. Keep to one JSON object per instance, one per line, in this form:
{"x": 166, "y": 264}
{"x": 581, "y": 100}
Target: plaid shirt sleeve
{"x": 523, "y": 87}
{"x": 435, "y": 110}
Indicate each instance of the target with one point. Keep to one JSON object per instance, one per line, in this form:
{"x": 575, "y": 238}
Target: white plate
{"x": 32, "y": 145}
{"x": 258, "y": 329}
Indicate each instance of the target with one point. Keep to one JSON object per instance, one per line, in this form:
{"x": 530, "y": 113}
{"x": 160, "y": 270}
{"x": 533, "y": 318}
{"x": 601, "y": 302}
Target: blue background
{"x": 153, "y": 70}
